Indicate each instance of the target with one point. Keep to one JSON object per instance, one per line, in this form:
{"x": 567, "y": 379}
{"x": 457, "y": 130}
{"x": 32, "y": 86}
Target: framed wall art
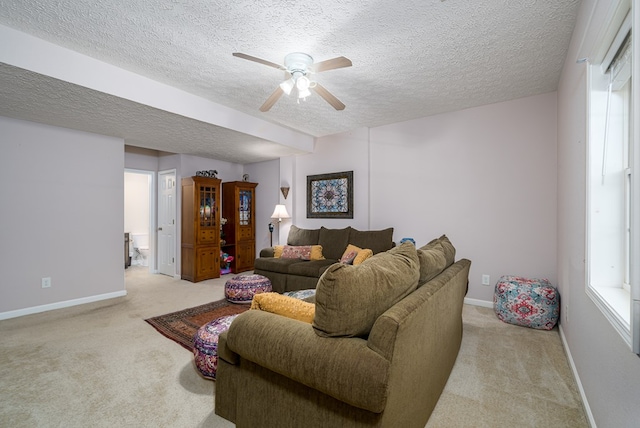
{"x": 330, "y": 195}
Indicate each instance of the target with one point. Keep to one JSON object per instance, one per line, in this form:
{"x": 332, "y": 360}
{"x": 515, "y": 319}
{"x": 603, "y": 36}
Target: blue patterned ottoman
{"x": 526, "y": 302}
{"x": 205, "y": 345}
{"x": 242, "y": 288}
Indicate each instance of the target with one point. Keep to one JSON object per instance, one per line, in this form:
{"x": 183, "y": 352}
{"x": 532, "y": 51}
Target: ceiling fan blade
{"x": 331, "y": 64}
{"x": 272, "y": 99}
{"x": 328, "y": 97}
{"x": 259, "y": 60}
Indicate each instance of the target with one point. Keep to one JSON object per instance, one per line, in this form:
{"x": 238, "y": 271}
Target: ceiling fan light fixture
{"x": 287, "y": 86}
{"x": 303, "y": 93}
{"x": 303, "y": 83}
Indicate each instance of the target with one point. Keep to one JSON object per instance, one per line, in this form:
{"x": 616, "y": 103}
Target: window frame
{"x": 619, "y": 303}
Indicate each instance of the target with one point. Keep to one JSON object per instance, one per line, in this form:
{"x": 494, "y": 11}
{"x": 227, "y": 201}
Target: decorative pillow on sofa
{"x": 447, "y": 246}
{"x": 289, "y": 307}
{"x": 355, "y": 255}
{"x": 302, "y": 252}
{"x": 349, "y": 299}
{"x": 432, "y": 262}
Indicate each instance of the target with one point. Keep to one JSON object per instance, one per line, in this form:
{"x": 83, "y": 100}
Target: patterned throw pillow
{"x": 302, "y": 252}
{"x": 355, "y": 255}
{"x": 349, "y": 255}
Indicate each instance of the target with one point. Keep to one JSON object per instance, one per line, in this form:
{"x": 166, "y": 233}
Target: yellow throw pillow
{"x": 316, "y": 252}
{"x": 362, "y": 256}
{"x": 289, "y": 307}
{"x": 277, "y": 251}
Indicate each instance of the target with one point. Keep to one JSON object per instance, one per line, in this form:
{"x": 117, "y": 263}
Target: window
{"x": 611, "y": 216}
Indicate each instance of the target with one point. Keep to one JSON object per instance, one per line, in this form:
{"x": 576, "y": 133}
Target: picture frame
{"x": 330, "y": 195}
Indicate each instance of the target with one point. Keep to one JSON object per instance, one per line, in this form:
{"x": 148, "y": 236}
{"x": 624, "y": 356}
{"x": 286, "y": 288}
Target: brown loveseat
{"x": 383, "y": 342}
{"x": 296, "y": 274}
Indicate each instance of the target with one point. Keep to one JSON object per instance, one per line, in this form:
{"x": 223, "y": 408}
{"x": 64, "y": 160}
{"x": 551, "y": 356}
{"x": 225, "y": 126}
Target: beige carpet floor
{"x": 101, "y": 365}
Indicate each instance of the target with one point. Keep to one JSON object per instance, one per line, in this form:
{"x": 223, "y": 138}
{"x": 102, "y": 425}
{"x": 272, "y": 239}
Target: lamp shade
{"x": 280, "y": 212}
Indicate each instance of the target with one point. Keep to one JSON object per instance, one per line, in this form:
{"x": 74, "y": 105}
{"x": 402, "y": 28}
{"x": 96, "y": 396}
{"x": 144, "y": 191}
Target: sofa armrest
{"x": 344, "y": 368}
{"x": 224, "y": 352}
{"x": 266, "y": 252}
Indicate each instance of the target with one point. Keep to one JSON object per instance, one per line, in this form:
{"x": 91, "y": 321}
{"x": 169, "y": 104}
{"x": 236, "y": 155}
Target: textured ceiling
{"x": 411, "y": 59}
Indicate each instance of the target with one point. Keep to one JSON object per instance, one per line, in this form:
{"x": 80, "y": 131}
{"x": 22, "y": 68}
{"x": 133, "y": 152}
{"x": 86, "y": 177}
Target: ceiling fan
{"x": 298, "y": 68}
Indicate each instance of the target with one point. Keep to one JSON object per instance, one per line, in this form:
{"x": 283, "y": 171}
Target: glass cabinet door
{"x": 245, "y": 207}
{"x": 207, "y": 206}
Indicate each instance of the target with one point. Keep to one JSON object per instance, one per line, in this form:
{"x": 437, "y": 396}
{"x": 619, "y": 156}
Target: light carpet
{"x": 101, "y": 365}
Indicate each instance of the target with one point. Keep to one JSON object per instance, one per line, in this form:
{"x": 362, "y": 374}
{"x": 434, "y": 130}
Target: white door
{"x": 167, "y": 222}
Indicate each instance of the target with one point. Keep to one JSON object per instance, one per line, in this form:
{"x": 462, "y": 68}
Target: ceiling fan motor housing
{"x": 298, "y": 62}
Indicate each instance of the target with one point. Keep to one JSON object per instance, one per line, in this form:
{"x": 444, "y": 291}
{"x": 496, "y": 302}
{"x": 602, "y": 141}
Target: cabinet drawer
{"x": 245, "y": 233}
{"x": 207, "y": 235}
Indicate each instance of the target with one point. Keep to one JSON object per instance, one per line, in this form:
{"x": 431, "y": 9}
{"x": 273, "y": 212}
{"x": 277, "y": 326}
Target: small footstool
{"x": 242, "y": 288}
{"x": 526, "y": 302}
{"x": 205, "y": 345}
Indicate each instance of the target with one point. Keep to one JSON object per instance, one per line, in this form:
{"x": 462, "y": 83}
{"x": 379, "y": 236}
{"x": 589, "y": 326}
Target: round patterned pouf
{"x": 205, "y": 345}
{"x": 242, "y": 288}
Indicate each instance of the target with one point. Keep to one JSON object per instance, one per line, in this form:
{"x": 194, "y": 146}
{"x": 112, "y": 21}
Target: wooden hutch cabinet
{"x": 200, "y": 228}
{"x": 238, "y": 207}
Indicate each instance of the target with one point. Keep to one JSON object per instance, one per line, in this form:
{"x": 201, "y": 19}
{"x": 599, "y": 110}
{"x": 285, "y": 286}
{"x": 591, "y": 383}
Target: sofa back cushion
{"x": 432, "y": 262}
{"x": 375, "y": 240}
{"x": 447, "y": 247}
{"x": 349, "y": 299}
{"x": 334, "y": 242}
{"x": 298, "y": 236}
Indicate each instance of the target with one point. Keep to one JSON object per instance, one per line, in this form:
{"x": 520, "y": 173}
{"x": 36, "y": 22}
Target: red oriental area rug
{"x": 181, "y": 326}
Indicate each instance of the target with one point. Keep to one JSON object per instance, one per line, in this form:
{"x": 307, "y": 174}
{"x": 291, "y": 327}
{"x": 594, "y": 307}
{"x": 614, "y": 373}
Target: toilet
{"x": 140, "y": 247}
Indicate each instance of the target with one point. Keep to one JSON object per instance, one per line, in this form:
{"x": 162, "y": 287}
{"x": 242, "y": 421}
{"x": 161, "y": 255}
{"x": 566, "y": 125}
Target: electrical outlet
{"x": 486, "y": 279}
{"x": 46, "y": 282}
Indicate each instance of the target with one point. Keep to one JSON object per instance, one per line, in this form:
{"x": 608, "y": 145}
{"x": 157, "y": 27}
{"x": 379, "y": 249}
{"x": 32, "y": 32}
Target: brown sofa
{"x": 383, "y": 342}
{"x": 295, "y": 274}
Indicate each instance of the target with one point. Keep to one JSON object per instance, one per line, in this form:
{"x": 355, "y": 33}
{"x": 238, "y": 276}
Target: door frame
{"x": 175, "y": 215}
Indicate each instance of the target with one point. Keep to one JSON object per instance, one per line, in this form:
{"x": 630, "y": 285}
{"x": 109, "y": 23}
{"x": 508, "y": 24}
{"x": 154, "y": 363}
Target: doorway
{"x": 139, "y": 214}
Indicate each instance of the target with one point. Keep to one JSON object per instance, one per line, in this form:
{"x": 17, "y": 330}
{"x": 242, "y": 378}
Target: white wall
{"x": 348, "y": 151}
{"x": 608, "y": 371}
{"x": 485, "y": 176}
{"x": 267, "y": 175}
{"x": 59, "y": 190}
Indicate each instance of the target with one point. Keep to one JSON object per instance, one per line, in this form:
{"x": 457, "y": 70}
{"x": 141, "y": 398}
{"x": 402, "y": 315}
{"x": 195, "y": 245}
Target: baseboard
{"x": 574, "y": 370}
{"x": 476, "y": 302}
{"x": 60, "y": 305}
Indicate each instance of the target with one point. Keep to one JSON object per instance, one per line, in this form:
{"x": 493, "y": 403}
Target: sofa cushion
{"x": 298, "y": 236}
{"x": 271, "y": 264}
{"x": 376, "y": 240}
{"x": 302, "y": 252}
{"x": 432, "y": 262}
{"x": 289, "y": 307}
{"x": 334, "y": 241}
{"x": 313, "y": 268}
{"x": 447, "y": 246}
{"x": 349, "y": 299}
